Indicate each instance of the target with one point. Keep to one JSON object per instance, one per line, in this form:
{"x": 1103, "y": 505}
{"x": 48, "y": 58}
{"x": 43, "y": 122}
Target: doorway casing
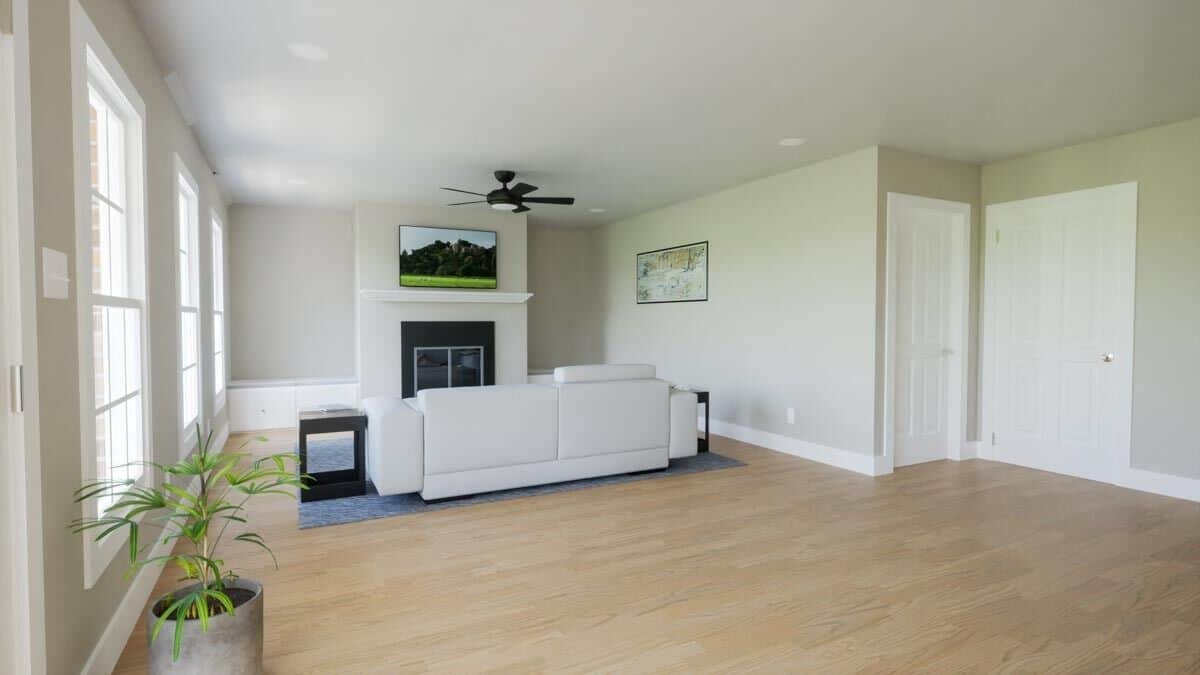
{"x": 957, "y": 305}
{"x": 20, "y": 482}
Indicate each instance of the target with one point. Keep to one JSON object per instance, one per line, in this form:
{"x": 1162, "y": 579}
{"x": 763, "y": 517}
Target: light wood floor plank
{"x": 779, "y": 566}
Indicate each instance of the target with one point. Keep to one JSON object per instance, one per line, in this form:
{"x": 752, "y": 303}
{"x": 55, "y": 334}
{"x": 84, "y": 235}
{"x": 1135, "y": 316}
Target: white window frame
{"x": 184, "y": 182}
{"x": 220, "y": 372}
{"x": 94, "y": 66}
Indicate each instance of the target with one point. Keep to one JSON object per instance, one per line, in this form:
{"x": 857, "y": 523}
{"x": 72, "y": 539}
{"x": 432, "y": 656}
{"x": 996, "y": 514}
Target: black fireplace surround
{"x": 461, "y": 338}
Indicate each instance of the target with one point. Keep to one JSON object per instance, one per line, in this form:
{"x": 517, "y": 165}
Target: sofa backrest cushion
{"x": 604, "y": 373}
{"x": 600, "y": 418}
{"x": 469, "y": 428}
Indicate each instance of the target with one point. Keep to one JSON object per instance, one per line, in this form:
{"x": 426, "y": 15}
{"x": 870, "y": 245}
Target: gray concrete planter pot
{"x": 233, "y": 644}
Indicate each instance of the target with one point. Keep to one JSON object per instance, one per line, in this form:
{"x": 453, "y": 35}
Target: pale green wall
{"x": 790, "y": 320}
{"x": 564, "y": 317}
{"x": 293, "y": 313}
{"x": 75, "y": 618}
{"x": 924, "y": 176}
{"x": 1165, "y": 162}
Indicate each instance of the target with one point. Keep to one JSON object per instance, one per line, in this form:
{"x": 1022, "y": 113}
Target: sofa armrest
{"x": 683, "y": 424}
{"x": 395, "y": 445}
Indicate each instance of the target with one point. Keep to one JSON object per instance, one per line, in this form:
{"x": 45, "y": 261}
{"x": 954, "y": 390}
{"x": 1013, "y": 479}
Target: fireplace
{"x": 439, "y": 354}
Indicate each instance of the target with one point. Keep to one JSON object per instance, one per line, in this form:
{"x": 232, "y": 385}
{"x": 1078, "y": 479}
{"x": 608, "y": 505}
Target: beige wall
{"x": 75, "y": 618}
{"x": 377, "y": 249}
{"x": 292, "y": 276}
{"x": 1165, "y": 162}
{"x": 924, "y": 176}
{"x": 564, "y": 320}
{"x": 790, "y": 320}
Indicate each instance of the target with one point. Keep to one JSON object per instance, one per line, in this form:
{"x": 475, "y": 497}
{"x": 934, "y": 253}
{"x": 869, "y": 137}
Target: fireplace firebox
{"x": 438, "y": 354}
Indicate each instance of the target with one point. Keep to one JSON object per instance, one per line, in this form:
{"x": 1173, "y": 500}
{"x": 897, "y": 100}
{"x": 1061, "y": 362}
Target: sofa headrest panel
{"x": 603, "y": 373}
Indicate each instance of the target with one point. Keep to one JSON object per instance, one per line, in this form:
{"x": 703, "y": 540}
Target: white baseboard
{"x": 129, "y": 613}
{"x": 221, "y": 437}
{"x": 1179, "y": 487}
{"x": 1142, "y": 480}
{"x": 869, "y": 465}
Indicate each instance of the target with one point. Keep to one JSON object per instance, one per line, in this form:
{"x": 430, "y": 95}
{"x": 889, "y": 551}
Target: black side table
{"x": 702, "y": 397}
{"x": 343, "y": 482}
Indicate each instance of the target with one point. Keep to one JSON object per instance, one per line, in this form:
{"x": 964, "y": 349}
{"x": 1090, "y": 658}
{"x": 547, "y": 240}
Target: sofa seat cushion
{"x": 472, "y": 428}
{"x": 597, "y": 418}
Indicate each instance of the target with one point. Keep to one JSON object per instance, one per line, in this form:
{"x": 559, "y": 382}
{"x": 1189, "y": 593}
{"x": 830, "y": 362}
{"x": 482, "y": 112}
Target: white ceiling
{"x": 632, "y": 104}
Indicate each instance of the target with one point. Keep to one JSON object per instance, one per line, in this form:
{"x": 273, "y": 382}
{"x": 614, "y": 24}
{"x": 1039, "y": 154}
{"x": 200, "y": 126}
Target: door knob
{"x": 1108, "y": 357}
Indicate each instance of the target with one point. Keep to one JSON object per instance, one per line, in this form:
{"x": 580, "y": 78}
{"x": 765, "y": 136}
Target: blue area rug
{"x": 325, "y": 455}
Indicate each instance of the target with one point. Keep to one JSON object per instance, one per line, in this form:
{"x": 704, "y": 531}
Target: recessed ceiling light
{"x": 595, "y": 210}
{"x": 297, "y": 181}
{"x": 791, "y": 142}
{"x": 308, "y": 51}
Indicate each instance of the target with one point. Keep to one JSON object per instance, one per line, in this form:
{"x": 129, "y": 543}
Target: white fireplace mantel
{"x": 431, "y": 295}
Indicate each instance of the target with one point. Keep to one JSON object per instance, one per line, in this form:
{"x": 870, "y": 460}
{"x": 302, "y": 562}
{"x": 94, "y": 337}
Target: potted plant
{"x": 216, "y": 620}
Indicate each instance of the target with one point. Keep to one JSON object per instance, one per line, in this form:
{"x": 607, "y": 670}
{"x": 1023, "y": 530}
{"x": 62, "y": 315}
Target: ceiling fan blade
{"x": 466, "y": 192}
{"x": 477, "y": 201}
{"x": 521, "y": 209}
{"x": 550, "y": 200}
{"x": 521, "y": 189}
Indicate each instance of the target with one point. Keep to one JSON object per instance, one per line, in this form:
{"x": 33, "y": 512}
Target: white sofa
{"x": 593, "y": 421}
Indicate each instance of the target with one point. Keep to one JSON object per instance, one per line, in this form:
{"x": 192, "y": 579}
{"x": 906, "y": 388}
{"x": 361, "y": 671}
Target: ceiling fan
{"x": 512, "y": 198}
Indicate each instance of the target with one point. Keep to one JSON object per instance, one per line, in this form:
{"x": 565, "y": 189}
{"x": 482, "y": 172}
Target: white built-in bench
{"x": 257, "y": 405}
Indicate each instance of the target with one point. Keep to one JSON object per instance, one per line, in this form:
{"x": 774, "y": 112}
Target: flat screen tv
{"x": 443, "y": 257}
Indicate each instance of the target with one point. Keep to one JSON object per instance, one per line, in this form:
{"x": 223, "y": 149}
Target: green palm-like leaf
{"x": 182, "y": 514}
{"x": 257, "y": 540}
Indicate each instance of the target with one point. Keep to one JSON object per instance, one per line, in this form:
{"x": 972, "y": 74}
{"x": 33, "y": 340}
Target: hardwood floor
{"x": 782, "y": 565}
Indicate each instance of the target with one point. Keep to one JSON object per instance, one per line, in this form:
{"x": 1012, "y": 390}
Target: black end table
{"x": 702, "y": 397}
{"x": 343, "y": 482}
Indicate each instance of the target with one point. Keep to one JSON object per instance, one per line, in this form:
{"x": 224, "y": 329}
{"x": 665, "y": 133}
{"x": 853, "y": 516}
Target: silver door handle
{"x": 1108, "y": 357}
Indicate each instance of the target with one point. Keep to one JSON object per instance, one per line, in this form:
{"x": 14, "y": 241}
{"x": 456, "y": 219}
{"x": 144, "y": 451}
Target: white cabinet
{"x": 257, "y": 405}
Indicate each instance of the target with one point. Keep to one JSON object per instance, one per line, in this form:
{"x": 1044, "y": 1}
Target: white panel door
{"x": 1060, "y": 330}
{"x": 11, "y": 438}
{"x": 928, "y": 240}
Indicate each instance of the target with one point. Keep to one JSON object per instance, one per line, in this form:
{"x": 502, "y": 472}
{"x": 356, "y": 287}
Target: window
{"x": 110, "y": 167}
{"x": 218, "y": 305}
{"x": 117, "y": 311}
{"x": 187, "y": 213}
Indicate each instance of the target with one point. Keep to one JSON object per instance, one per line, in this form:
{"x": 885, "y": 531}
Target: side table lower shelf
{"x": 350, "y": 482}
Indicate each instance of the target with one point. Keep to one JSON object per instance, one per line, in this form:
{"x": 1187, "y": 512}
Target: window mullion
{"x": 108, "y": 202}
{"x": 115, "y": 301}
{"x": 116, "y": 402}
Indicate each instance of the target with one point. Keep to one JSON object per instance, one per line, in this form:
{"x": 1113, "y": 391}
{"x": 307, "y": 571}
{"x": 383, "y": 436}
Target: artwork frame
{"x": 409, "y": 277}
{"x": 674, "y": 284}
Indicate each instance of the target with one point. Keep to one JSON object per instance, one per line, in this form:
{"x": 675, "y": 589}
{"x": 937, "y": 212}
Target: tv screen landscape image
{"x": 442, "y": 257}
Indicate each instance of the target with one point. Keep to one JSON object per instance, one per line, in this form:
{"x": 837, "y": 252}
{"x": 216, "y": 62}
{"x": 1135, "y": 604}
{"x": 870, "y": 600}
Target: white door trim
{"x": 1122, "y": 473}
{"x": 22, "y": 479}
{"x": 960, "y": 276}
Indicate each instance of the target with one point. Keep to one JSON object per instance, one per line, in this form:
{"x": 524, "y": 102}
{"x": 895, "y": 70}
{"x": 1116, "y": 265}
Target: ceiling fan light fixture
{"x": 504, "y": 206}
